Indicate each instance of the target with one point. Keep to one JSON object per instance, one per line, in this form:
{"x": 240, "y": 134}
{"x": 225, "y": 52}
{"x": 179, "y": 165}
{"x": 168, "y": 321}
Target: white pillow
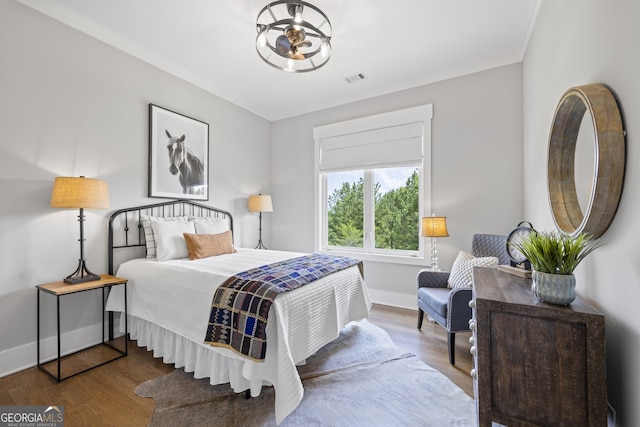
{"x": 149, "y": 239}
{"x": 206, "y": 225}
{"x": 462, "y": 269}
{"x": 170, "y": 239}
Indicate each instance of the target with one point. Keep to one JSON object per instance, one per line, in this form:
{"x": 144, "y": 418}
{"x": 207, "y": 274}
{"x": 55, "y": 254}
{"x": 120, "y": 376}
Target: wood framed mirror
{"x": 594, "y": 103}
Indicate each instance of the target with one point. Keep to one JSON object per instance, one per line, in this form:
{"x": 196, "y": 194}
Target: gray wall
{"x": 574, "y": 43}
{"x": 71, "y": 105}
{"x": 476, "y": 167}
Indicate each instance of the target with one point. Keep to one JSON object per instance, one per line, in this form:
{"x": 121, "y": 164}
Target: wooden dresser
{"x": 535, "y": 364}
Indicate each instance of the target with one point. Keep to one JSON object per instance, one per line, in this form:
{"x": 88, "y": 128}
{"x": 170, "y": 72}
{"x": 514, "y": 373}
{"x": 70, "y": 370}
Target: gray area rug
{"x": 360, "y": 379}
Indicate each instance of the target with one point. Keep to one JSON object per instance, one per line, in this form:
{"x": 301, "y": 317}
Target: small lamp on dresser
{"x": 80, "y": 193}
{"x": 434, "y": 226}
{"x": 260, "y": 203}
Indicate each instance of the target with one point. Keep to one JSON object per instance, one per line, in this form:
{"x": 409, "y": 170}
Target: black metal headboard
{"x": 125, "y": 225}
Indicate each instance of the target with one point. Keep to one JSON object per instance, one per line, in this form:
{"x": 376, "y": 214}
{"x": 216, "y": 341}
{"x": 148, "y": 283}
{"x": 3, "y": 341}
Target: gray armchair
{"x": 450, "y": 307}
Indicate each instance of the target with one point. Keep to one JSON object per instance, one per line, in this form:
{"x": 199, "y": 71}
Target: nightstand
{"x": 91, "y": 356}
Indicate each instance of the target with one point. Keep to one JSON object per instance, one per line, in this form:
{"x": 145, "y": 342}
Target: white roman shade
{"x": 390, "y": 139}
{"x": 386, "y": 146}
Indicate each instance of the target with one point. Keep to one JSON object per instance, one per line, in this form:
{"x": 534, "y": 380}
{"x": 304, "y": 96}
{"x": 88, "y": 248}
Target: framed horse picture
{"x": 178, "y": 155}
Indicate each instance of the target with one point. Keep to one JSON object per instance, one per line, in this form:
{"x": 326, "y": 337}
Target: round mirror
{"x": 584, "y": 161}
{"x": 586, "y": 144}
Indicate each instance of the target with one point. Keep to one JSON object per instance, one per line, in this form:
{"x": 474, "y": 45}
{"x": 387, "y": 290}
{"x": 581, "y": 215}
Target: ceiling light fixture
{"x": 293, "y": 36}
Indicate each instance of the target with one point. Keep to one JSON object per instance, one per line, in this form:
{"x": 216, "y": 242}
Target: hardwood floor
{"x": 104, "y": 396}
{"x": 101, "y": 397}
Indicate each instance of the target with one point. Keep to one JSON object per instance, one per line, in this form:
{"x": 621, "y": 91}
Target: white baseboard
{"x": 19, "y": 358}
{"x": 394, "y": 299}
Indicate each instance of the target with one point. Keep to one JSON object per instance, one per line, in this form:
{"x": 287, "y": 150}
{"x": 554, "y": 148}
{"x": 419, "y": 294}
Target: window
{"x": 397, "y": 208}
{"x": 372, "y": 184}
{"x": 345, "y": 209}
{"x": 395, "y": 211}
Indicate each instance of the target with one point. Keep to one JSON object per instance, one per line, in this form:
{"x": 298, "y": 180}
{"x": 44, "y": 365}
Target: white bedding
{"x": 169, "y": 304}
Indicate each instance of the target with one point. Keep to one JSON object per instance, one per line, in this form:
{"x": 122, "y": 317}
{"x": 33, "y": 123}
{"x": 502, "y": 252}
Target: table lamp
{"x": 260, "y": 203}
{"x": 434, "y": 226}
{"x": 80, "y": 193}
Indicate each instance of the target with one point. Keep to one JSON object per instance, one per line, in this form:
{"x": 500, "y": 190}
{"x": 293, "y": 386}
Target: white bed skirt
{"x": 192, "y": 356}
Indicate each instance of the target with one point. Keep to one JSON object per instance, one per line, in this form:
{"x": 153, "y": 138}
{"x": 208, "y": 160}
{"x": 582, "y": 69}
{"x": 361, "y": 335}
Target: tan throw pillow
{"x": 462, "y": 269}
{"x": 207, "y": 245}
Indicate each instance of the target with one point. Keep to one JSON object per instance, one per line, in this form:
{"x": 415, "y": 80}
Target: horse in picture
{"x": 185, "y": 164}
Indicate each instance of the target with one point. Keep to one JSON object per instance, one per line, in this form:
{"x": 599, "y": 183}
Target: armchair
{"x": 450, "y": 307}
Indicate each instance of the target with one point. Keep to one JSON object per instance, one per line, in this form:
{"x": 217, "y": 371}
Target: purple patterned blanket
{"x": 240, "y": 306}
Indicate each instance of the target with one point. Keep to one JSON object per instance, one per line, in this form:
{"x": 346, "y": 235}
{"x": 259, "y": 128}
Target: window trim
{"x": 424, "y": 114}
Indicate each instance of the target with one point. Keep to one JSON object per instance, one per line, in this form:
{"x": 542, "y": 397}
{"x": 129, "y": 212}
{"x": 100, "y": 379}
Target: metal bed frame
{"x": 125, "y": 225}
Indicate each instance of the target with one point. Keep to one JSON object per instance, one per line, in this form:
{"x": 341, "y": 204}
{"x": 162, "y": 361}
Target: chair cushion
{"x": 435, "y": 298}
{"x": 462, "y": 269}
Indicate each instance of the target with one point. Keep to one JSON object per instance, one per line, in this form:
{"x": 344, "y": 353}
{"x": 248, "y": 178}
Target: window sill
{"x": 385, "y": 258}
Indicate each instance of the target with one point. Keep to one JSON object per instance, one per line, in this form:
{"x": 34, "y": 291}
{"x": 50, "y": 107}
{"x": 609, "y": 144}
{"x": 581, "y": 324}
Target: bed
{"x": 169, "y": 301}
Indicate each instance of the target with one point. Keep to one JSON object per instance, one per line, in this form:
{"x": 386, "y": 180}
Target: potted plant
{"x": 554, "y": 256}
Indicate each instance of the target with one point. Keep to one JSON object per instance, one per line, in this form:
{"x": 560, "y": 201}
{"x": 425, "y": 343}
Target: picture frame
{"x": 178, "y": 155}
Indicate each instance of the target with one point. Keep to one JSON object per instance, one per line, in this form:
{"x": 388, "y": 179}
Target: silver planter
{"x": 554, "y": 288}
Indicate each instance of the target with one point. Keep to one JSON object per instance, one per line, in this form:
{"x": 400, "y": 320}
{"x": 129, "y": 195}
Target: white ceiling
{"x": 397, "y": 44}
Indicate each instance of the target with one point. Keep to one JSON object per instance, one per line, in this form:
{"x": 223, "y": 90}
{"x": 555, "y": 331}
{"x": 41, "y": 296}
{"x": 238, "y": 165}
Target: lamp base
{"x": 260, "y": 244}
{"x": 81, "y": 275}
{"x": 72, "y": 280}
{"x": 434, "y": 255}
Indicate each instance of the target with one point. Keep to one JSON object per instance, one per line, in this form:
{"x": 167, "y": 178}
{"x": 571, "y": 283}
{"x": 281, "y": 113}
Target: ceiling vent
{"x": 355, "y": 78}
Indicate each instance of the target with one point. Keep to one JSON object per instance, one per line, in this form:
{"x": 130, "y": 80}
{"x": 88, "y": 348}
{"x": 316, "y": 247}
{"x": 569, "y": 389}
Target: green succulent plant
{"x": 555, "y": 252}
